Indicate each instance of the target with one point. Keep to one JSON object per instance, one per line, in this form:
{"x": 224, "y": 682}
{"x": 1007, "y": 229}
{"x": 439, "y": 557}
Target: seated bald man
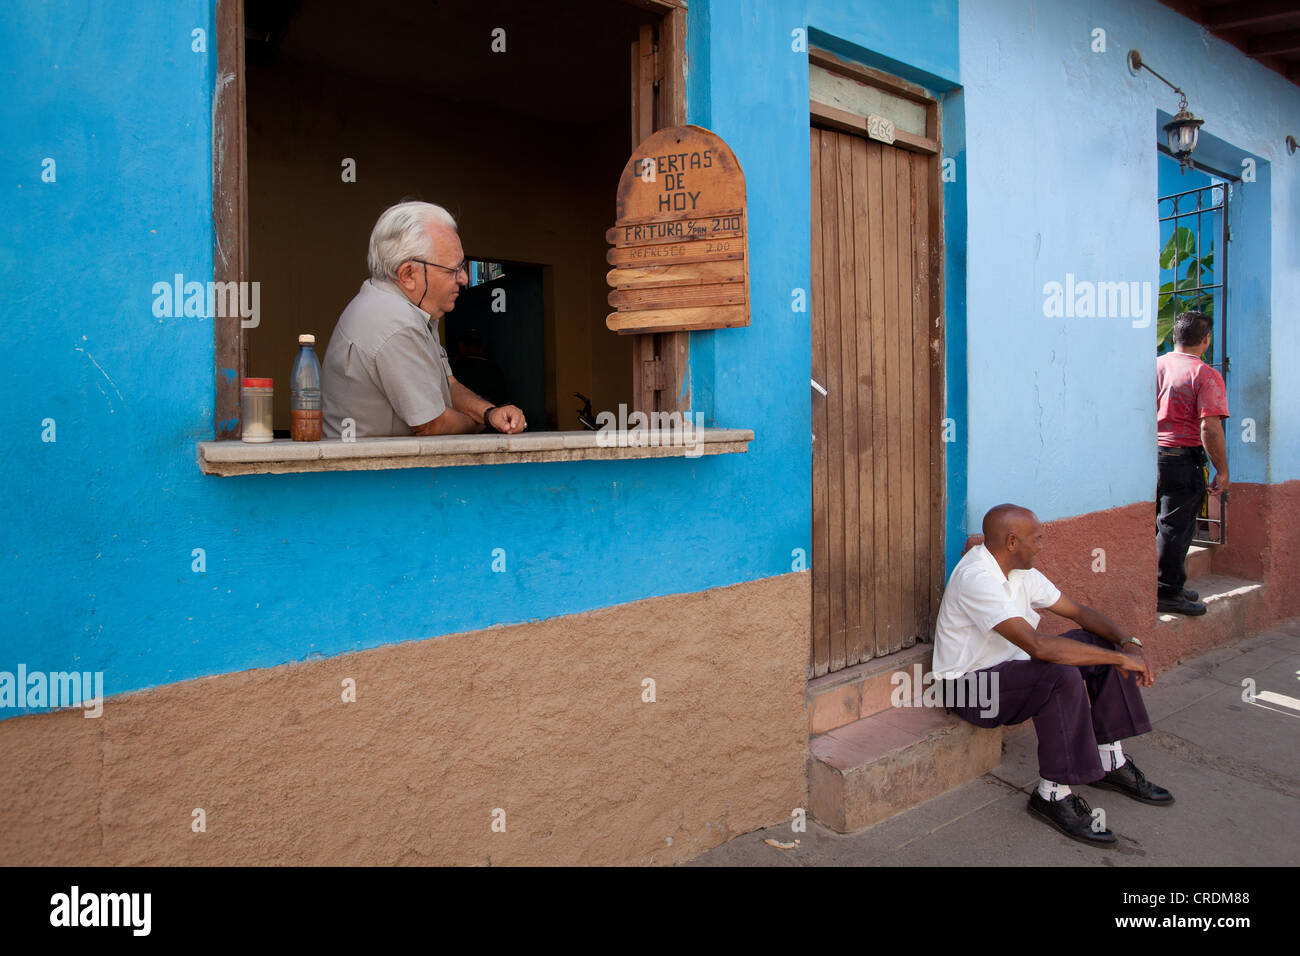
{"x": 1081, "y": 688}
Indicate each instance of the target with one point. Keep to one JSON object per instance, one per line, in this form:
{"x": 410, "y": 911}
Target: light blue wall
{"x": 1062, "y": 178}
{"x": 1261, "y": 385}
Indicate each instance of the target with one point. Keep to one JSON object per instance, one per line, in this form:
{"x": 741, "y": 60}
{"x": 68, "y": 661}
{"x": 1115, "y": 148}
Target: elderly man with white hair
{"x": 384, "y": 367}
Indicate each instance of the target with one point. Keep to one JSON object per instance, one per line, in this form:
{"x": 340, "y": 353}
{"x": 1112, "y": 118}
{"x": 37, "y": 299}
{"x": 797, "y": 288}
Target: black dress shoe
{"x": 1191, "y": 595}
{"x": 1129, "y": 780}
{"x": 1180, "y": 605}
{"x": 1072, "y": 816}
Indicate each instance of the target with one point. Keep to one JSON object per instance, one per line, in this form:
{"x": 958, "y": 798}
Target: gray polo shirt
{"x": 384, "y": 367}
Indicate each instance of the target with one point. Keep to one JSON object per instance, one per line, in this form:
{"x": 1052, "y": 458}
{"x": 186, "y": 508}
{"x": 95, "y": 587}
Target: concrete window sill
{"x": 284, "y": 456}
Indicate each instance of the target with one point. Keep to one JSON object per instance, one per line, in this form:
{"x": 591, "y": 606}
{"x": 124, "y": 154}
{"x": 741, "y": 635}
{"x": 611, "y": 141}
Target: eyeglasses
{"x": 460, "y": 267}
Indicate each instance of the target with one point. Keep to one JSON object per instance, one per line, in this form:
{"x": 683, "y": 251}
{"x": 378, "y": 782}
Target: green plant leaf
{"x": 1181, "y": 246}
{"x": 1185, "y": 294}
{"x": 1164, "y": 330}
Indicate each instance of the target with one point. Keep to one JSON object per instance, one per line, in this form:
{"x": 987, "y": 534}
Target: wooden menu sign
{"x": 680, "y": 256}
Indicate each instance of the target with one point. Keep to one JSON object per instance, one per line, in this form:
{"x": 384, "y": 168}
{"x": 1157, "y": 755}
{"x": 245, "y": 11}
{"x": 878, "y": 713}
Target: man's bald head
{"x": 1012, "y": 530}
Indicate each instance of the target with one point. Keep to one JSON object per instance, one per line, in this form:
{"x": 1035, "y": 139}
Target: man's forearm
{"x": 450, "y": 422}
{"x": 1062, "y": 650}
{"x": 1093, "y": 620}
{"x": 465, "y": 401}
{"x": 1215, "y": 445}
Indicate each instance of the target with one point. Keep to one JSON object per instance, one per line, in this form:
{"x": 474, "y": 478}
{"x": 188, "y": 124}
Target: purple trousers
{"x": 1074, "y": 708}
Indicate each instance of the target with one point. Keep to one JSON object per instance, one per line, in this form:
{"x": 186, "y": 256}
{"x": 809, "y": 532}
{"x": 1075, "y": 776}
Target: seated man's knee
{"x": 1064, "y": 678}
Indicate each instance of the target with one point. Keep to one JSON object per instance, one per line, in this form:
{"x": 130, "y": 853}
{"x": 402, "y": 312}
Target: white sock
{"x": 1112, "y": 756}
{"x": 1052, "y": 791}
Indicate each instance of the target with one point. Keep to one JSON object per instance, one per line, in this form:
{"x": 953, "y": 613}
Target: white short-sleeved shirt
{"x": 384, "y": 367}
{"x": 979, "y": 596}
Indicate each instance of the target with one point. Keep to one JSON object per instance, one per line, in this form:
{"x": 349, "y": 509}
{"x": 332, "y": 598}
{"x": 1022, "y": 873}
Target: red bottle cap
{"x": 257, "y": 383}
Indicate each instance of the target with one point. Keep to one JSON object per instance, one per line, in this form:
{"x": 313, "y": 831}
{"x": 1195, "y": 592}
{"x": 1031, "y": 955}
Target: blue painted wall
{"x": 1056, "y": 172}
{"x": 1062, "y": 178}
{"x": 756, "y": 98}
{"x": 1262, "y": 393}
{"x": 104, "y": 520}
{"x": 956, "y": 234}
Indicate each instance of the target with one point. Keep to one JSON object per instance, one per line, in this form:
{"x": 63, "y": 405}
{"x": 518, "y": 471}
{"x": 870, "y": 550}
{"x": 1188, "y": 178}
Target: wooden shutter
{"x": 660, "y": 360}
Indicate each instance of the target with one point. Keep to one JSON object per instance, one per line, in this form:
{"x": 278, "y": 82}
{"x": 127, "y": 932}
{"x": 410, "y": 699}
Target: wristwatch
{"x": 1130, "y": 640}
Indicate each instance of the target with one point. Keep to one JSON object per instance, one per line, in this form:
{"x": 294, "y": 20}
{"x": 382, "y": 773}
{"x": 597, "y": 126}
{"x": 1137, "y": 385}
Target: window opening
{"x": 1193, "y": 276}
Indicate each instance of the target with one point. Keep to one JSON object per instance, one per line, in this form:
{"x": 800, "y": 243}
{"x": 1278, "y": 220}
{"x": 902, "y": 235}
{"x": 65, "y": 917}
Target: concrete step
{"x": 1199, "y": 557}
{"x": 834, "y": 700}
{"x": 877, "y": 766}
{"x": 1235, "y": 609}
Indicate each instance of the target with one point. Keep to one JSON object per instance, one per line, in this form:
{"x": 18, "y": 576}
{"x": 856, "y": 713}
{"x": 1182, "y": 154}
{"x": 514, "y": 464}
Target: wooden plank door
{"x": 875, "y": 350}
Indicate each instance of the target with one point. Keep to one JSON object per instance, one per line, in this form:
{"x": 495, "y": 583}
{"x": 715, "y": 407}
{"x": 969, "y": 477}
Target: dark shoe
{"x": 1190, "y": 594}
{"x": 1130, "y": 781}
{"x": 1072, "y": 816}
{"x": 1180, "y": 605}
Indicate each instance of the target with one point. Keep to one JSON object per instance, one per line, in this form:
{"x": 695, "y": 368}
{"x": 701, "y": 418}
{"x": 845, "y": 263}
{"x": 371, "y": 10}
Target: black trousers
{"x": 1074, "y": 709}
{"x": 1180, "y": 489}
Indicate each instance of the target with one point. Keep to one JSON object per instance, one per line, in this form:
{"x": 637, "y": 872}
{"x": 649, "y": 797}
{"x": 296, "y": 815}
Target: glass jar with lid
{"x": 256, "y": 410}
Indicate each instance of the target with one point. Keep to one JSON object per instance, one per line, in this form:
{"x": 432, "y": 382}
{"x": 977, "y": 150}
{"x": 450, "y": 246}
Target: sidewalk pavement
{"x": 1231, "y": 765}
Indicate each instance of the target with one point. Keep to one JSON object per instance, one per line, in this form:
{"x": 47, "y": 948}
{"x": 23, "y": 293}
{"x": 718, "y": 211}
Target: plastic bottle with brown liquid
{"x": 305, "y": 414}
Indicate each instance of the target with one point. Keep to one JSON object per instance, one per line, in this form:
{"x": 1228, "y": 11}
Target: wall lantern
{"x": 1181, "y": 134}
{"x": 1291, "y": 145}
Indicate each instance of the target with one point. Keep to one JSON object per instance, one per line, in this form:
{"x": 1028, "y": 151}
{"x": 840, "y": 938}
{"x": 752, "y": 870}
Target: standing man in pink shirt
{"x": 1191, "y": 404}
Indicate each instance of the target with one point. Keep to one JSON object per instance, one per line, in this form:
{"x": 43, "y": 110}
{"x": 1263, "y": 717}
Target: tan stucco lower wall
{"x": 543, "y": 720}
{"x": 1264, "y": 542}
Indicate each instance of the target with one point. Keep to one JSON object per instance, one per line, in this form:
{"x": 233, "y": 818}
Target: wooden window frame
{"x": 229, "y": 211}
{"x": 848, "y": 122}
{"x": 662, "y": 360}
